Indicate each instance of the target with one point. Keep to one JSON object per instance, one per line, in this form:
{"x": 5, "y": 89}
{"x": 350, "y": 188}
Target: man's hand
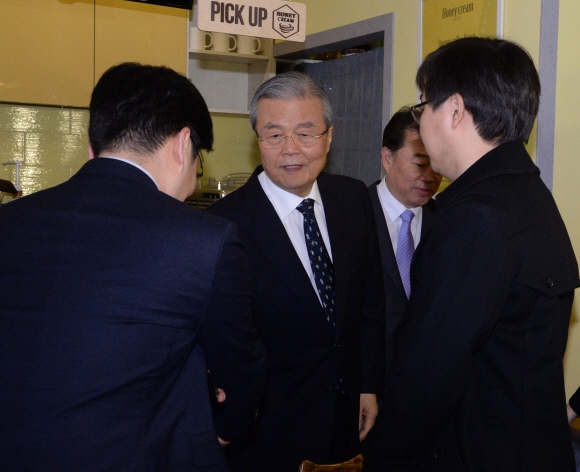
{"x": 571, "y": 413}
{"x": 367, "y": 414}
{"x": 221, "y": 397}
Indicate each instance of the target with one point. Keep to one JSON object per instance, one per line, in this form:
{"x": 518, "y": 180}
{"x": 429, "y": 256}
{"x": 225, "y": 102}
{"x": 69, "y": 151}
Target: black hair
{"x": 497, "y": 80}
{"x": 399, "y": 125}
{"x": 137, "y": 107}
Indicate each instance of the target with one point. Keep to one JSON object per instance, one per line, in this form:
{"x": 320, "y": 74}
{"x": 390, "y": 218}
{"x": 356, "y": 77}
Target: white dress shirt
{"x": 285, "y": 204}
{"x": 133, "y": 164}
{"x": 393, "y": 209}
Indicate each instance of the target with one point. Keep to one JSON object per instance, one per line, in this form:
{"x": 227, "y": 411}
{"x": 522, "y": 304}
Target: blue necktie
{"x": 319, "y": 260}
{"x": 405, "y": 249}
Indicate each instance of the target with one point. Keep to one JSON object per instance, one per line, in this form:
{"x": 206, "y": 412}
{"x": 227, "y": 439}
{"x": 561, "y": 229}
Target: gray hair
{"x": 290, "y": 86}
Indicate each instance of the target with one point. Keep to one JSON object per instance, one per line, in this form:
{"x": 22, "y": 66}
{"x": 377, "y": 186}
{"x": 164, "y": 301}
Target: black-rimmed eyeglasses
{"x": 197, "y": 152}
{"x": 199, "y": 173}
{"x": 417, "y": 111}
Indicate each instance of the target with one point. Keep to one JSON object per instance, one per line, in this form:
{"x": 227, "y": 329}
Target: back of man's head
{"x": 137, "y": 107}
{"x": 399, "y": 125}
{"x": 496, "y": 79}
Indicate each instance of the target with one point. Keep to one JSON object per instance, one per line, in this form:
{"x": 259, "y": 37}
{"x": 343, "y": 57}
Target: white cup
{"x": 199, "y": 40}
{"x": 249, "y": 45}
{"x": 223, "y": 42}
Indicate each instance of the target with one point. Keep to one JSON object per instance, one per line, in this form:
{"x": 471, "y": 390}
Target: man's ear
{"x": 458, "y": 109}
{"x": 386, "y": 158}
{"x": 91, "y": 152}
{"x": 329, "y": 138}
{"x": 182, "y": 146}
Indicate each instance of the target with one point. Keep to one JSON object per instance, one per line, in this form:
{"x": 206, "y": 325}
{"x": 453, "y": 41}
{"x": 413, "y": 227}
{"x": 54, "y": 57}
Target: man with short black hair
{"x": 476, "y": 382}
{"x": 115, "y": 298}
{"x": 406, "y": 189}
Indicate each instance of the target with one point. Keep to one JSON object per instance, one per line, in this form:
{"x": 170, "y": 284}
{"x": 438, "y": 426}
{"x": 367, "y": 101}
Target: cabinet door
{"x": 46, "y": 52}
{"x": 129, "y": 31}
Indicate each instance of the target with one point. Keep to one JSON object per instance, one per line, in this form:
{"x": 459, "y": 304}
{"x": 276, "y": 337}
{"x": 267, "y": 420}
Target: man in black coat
{"x": 477, "y": 379}
{"x": 324, "y": 342}
{"x": 409, "y": 184}
{"x": 115, "y": 298}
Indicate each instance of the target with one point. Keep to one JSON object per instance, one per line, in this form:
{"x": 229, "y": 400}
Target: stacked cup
{"x": 220, "y": 42}
{"x": 249, "y": 45}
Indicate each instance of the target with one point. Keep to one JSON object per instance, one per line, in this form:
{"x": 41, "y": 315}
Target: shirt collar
{"x": 141, "y": 168}
{"x": 391, "y": 205}
{"x": 285, "y": 202}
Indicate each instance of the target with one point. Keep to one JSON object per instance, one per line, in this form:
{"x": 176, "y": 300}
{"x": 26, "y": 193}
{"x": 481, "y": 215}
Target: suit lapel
{"x": 334, "y": 213}
{"x": 389, "y": 260}
{"x": 269, "y": 234}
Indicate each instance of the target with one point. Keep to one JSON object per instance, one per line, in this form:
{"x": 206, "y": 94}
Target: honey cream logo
{"x": 285, "y": 21}
{"x": 456, "y": 11}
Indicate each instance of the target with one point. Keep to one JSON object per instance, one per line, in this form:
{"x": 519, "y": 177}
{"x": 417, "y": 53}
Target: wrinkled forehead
{"x": 304, "y": 112}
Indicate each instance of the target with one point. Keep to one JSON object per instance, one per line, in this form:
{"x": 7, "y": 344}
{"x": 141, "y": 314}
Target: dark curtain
{"x": 355, "y": 87}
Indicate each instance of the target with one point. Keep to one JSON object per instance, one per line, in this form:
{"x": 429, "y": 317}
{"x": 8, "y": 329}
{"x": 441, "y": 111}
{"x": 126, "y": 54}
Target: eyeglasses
{"x": 199, "y": 173}
{"x": 277, "y": 140}
{"x": 196, "y": 153}
{"x": 417, "y": 111}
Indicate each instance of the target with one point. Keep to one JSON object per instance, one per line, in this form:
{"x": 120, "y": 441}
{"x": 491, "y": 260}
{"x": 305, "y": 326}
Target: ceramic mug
{"x": 199, "y": 40}
{"x": 223, "y": 42}
{"x": 249, "y": 45}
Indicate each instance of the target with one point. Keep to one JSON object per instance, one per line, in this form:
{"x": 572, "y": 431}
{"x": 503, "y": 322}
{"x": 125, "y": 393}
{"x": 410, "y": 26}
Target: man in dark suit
{"x": 318, "y": 306}
{"x": 476, "y": 382}
{"x": 115, "y": 296}
{"x": 408, "y": 186}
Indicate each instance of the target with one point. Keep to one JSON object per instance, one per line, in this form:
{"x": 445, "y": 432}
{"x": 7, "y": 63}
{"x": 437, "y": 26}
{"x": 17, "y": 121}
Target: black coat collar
{"x": 508, "y": 158}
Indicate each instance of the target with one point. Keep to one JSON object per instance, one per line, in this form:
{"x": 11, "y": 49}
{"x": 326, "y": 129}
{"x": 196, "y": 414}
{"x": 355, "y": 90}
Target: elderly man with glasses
{"x": 316, "y": 272}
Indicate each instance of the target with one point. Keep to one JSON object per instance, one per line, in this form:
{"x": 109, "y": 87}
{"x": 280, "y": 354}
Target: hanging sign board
{"x": 446, "y": 20}
{"x": 260, "y": 18}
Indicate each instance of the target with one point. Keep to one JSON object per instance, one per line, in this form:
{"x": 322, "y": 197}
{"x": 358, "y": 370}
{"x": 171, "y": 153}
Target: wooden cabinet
{"x": 52, "y": 52}
{"x": 46, "y": 52}
{"x": 129, "y": 31}
{"x": 228, "y": 80}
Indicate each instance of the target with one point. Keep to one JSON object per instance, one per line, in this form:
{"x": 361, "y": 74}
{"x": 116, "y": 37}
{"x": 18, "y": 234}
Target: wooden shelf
{"x": 229, "y": 112}
{"x": 231, "y": 57}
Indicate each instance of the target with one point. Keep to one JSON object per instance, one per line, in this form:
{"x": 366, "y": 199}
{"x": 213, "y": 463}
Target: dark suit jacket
{"x": 477, "y": 380}
{"x": 113, "y": 295}
{"x": 395, "y": 296}
{"x": 304, "y": 353}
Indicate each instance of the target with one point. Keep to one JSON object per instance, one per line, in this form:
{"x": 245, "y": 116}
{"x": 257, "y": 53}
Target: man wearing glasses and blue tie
{"x": 477, "y": 382}
{"x": 318, "y": 297}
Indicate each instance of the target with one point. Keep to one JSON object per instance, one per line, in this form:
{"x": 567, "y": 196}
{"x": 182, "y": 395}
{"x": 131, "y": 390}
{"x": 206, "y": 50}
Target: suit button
{"x": 550, "y": 282}
{"x": 331, "y": 389}
{"x": 337, "y": 345}
{"x": 439, "y": 455}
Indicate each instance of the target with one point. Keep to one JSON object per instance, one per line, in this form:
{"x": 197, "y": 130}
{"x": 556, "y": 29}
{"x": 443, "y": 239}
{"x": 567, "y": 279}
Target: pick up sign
{"x": 260, "y": 18}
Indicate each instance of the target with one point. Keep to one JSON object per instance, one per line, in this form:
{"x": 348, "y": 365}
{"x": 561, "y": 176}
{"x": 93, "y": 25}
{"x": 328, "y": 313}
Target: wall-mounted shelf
{"x": 228, "y": 80}
{"x": 231, "y": 57}
{"x": 229, "y": 112}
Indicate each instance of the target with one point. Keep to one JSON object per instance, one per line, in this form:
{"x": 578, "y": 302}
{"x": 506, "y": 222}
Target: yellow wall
{"x": 46, "y": 51}
{"x": 567, "y": 159}
{"x": 235, "y": 147}
{"x": 129, "y": 31}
